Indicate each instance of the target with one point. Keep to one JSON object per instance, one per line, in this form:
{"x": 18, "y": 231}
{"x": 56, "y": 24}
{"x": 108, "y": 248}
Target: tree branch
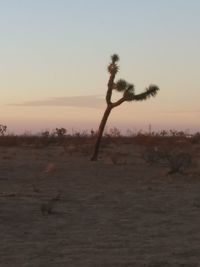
{"x": 151, "y": 91}
{"x": 119, "y": 102}
{"x": 110, "y": 88}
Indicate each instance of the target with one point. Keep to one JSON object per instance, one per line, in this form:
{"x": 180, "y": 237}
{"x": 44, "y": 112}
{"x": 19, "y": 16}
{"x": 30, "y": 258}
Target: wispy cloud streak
{"x": 181, "y": 112}
{"x": 91, "y": 101}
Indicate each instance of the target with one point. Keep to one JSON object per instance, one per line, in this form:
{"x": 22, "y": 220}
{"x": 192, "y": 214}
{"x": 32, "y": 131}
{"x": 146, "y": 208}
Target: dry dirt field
{"x": 58, "y": 209}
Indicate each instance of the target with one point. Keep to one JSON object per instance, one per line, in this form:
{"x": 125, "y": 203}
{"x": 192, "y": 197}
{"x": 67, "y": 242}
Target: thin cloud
{"x": 181, "y": 112}
{"x": 91, "y": 101}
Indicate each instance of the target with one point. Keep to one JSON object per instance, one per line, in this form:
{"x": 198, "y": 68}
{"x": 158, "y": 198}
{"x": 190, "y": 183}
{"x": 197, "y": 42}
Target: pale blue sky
{"x": 59, "y": 49}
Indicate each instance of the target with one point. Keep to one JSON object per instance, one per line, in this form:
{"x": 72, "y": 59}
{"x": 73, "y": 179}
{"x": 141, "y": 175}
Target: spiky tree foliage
{"x": 128, "y": 91}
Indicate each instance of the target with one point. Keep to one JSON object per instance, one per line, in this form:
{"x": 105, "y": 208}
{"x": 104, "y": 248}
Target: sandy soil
{"x": 57, "y": 208}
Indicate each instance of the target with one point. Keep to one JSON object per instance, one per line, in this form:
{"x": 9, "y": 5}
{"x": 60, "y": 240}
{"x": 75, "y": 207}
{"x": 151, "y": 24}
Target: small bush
{"x": 3, "y": 129}
{"x": 178, "y": 163}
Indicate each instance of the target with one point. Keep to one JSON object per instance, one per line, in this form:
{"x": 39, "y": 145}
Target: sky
{"x": 54, "y": 57}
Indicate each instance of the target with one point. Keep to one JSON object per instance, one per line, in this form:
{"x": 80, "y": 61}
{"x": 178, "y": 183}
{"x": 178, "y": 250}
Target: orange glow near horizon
{"x": 54, "y": 63}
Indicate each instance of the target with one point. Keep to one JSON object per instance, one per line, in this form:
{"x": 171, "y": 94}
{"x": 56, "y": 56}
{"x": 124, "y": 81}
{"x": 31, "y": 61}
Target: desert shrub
{"x": 195, "y": 139}
{"x": 146, "y": 139}
{"x": 179, "y": 162}
{"x": 3, "y": 129}
{"x": 82, "y": 134}
{"x": 163, "y": 133}
{"x": 170, "y": 156}
{"x": 93, "y": 133}
{"x": 114, "y": 132}
{"x": 45, "y": 133}
{"x": 60, "y": 132}
{"x": 155, "y": 155}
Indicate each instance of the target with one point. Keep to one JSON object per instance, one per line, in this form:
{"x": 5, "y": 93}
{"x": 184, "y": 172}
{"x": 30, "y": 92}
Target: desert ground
{"x": 57, "y": 208}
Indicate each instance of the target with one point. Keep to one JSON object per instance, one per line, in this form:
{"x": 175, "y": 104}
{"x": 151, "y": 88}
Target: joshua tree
{"x": 128, "y": 95}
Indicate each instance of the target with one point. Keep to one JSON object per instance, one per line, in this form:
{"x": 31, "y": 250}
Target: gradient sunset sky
{"x": 54, "y": 57}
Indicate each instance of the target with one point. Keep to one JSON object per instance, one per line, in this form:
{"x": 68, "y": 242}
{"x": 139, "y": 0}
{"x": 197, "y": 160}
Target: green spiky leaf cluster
{"x": 114, "y": 58}
{"x": 113, "y": 67}
{"x": 151, "y": 91}
{"x": 121, "y": 85}
{"x": 129, "y": 92}
{"x": 128, "y": 89}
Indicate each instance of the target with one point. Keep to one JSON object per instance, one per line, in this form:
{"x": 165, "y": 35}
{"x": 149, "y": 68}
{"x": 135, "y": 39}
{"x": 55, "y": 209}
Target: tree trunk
{"x": 100, "y": 132}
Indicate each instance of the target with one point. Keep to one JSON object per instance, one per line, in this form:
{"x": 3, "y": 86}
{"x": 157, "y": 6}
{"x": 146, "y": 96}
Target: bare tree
{"x": 128, "y": 95}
